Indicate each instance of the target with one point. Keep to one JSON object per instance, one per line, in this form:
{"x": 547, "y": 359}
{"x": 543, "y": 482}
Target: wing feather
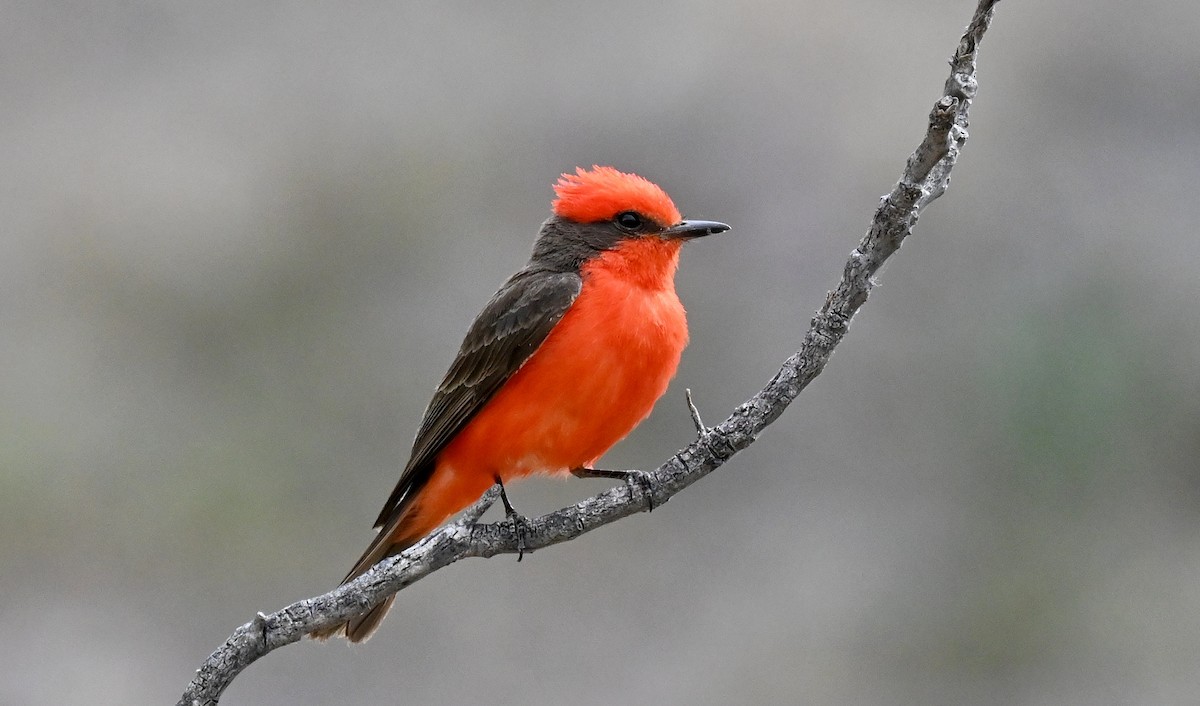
{"x": 504, "y": 335}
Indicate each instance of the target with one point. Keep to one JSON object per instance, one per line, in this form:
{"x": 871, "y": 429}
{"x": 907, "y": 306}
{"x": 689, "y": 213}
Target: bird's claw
{"x": 520, "y": 527}
{"x": 520, "y": 524}
{"x": 636, "y": 480}
{"x": 641, "y": 479}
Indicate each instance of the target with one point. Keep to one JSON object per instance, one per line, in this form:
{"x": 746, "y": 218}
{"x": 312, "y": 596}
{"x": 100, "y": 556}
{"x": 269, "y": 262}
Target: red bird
{"x": 564, "y": 361}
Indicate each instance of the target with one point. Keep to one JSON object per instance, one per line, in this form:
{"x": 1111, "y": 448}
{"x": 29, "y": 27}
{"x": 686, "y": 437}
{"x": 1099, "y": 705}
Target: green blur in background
{"x": 241, "y": 242}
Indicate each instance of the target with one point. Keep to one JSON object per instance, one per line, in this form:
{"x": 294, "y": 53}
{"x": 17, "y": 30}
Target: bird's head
{"x": 600, "y": 210}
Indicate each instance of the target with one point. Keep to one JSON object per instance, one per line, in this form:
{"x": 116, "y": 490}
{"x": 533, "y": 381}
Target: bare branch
{"x": 925, "y": 177}
{"x": 696, "y": 420}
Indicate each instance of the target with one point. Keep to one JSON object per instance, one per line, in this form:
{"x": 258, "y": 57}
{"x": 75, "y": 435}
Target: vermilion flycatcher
{"x": 564, "y": 361}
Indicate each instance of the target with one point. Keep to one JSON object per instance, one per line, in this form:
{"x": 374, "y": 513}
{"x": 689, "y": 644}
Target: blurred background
{"x": 241, "y": 242}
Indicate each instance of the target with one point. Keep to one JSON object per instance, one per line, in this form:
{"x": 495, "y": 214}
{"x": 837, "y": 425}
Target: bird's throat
{"x": 648, "y": 263}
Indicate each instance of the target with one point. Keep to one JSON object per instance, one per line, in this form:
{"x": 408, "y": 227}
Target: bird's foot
{"x": 520, "y": 524}
{"x": 639, "y": 481}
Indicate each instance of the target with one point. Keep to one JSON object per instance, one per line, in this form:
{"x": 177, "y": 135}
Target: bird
{"x": 568, "y": 356}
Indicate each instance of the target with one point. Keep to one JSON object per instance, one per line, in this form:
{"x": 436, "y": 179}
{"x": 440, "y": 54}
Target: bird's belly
{"x": 593, "y": 379}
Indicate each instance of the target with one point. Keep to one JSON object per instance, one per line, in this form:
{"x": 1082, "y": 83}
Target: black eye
{"x": 629, "y": 220}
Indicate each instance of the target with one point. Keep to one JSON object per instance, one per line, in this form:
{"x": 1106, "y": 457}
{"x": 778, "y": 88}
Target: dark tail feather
{"x": 362, "y": 626}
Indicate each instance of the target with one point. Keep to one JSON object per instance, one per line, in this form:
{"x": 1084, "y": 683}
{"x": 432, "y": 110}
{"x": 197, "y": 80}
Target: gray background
{"x": 241, "y": 241}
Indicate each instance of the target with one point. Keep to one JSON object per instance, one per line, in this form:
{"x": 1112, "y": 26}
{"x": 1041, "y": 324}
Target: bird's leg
{"x": 641, "y": 479}
{"x": 519, "y": 523}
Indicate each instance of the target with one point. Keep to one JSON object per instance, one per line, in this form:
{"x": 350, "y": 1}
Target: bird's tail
{"x": 443, "y": 496}
{"x": 392, "y": 539}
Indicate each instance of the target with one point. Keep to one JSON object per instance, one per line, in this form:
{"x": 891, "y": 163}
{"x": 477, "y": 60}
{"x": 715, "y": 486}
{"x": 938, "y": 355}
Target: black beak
{"x": 694, "y": 229}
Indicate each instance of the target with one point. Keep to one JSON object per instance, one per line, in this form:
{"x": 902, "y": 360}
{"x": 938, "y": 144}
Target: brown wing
{"x": 508, "y": 330}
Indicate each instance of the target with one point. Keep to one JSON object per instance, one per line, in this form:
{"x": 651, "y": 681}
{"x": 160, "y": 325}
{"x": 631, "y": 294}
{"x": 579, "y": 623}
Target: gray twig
{"x": 925, "y": 178}
{"x": 696, "y": 420}
{"x": 472, "y": 514}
